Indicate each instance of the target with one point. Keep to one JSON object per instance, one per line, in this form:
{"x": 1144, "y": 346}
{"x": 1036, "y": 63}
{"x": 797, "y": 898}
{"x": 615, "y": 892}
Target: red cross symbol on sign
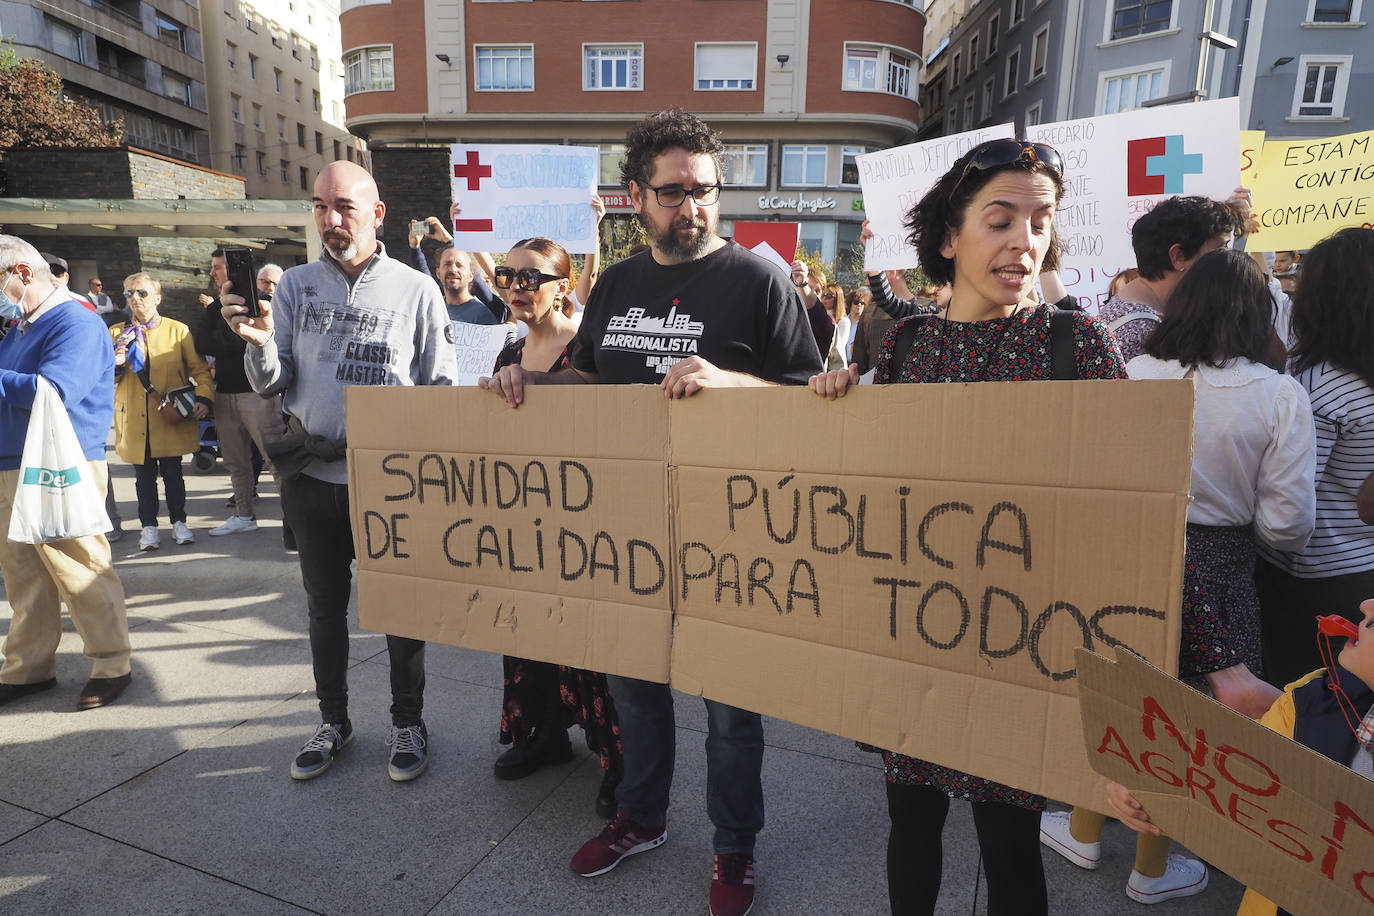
{"x": 472, "y": 170}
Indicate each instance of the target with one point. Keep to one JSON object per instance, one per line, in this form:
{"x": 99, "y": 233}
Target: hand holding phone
{"x": 238, "y": 263}
{"x": 419, "y": 228}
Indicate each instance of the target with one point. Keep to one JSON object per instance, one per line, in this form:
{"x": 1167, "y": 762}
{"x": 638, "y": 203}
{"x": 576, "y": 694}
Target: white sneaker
{"x": 149, "y": 539}
{"x": 234, "y": 524}
{"x": 1054, "y": 833}
{"x": 181, "y": 533}
{"x": 1182, "y": 877}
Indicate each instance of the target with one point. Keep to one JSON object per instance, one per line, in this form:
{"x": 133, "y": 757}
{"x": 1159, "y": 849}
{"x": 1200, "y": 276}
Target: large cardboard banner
{"x": 912, "y": 566}
{"x": 510, "y": 192}
{"x": 1117, "y": 167}
{"x": 1307, "y": 189}
{"x": 1276, "y": 816}
{"x": 893, "y": 180}
{"x": 540, "y": 533}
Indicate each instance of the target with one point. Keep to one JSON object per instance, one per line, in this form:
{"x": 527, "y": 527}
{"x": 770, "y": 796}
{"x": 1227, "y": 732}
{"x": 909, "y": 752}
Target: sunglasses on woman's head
{"x": 527, "y": 278}
{"x": 996, "y": 154}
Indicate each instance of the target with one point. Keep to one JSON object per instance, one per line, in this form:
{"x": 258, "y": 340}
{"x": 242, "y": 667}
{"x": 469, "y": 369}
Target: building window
{"x": 276, "y": 79}
{"x": 1013, "y": 71}
{"x": 305, "y": 179}
{"x": 299, "y": 87}
{"x": 235, "y": 107}
{"x": 505, "y": 67}
{"x": 1126, "y": 91}
{"x": 315, "y": 98}
{"x": 1033, "y": 115}
{"x": 849, "y": 165}
{"x": 175, "y": 86}
{"x": 231, "y": 54}
{"x": 257, "y": 116}
{"x": 972, "y": 55}
{"x": 989, "y": 90}
{"x": 803, "y": 166}
{"x": 262, "y": 162}
{"x": 994, "y": 25}
{"x": 954, "y": 69}
{"x": 229, "y": 7}
{"x": 319, "y": 143}
{"x": 612, "y": 154}
{"x": 878, "y": 69}
{"x": 726, "y": 66}
{"x": 968, "y": 113}
{"x": 285, "y": 171}
{"x": 368, "y": 70}
{"x": 281, "y": 127}
{"x": 240, "y": 154}
{"x": 1040, "y": 49}
{"x": 744, "y": 165}
{"x": 952, "y": 116}
{"x": 1018, "y": 11}
{"x": 171, "y": 32}
{"x": 613, "y": 67}
{"x": 252, "y": 66}
{"x": 1140, "y": 17}
{"x": 1333, "y": 10}
{"x": 338, "y": 153}
{"x": 300, "y": 135}
{"x": 66, "y": 41}
{"x": 1322, "y": 85}
{"x": 250, "y": 23}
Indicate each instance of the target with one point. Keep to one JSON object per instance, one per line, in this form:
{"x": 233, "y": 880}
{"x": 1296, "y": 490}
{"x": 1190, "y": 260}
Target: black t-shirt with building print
{"x": 731, "y": 308}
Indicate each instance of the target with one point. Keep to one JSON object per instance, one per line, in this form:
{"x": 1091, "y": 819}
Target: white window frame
{"x": 969, "y": 112}
{"x": 252, "y": 66}
{"x": 752, "y": 79}
{"x": 989, "y": 96}
{"x": 846, "y": 152}
{"x": 236, "y": 107}
{"x": 808, "y": 151}
{"x": 1011, "y": 77}
{"x": 861, "y": 54}
{"x": 1343, "y": 64}
{"x": 952, "y": 119}
{"x": 1041, "y": 37}
{"x": 257, "y": 115}
{"x": 972, "y": 54}
{"x": 1034, "y": 111}
{"x": 634, "y": 68}
{"x": 751, "y": 155}
{"x": 365, "y": 82}
{"x": 261, "y": 162}
{"x": 1018, "y": 12}
{"x": 954, "y": 69}
{"x": 520, "y": 49}
{"x": 184, "y": 97}
{"x": 1354, "y": 19}
{"x": 73, "y": 33}
{"x": 886, "y": 67}
{"x": 1106, "y": 76}
{"x": 1171, "y": 29}
{"x": 993, "y": 37}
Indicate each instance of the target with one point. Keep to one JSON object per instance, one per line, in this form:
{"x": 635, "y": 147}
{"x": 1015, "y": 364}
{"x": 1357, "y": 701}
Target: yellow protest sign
{"x": 1251, "y": 146}
{"x": 1307, "y": 189}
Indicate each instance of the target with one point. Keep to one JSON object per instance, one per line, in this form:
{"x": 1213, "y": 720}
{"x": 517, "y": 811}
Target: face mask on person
{"x": 9, "y": 309}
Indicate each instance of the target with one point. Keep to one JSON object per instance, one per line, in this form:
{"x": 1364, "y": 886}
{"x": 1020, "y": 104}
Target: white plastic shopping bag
{"x": 56, "y": 498}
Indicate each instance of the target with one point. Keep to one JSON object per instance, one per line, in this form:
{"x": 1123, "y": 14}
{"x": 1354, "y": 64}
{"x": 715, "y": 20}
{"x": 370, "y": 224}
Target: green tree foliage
{"x": 35, "y": 113}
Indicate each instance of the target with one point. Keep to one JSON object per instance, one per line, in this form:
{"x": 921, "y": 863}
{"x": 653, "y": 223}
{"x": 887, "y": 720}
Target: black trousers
{"x": 317, "y": 512}
{"x": 1008, "y": 836}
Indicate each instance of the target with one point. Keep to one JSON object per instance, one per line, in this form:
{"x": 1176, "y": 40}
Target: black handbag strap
{"x": 1063, "y": 365}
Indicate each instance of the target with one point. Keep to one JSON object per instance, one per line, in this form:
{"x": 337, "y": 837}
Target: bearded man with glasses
{"x": 692, "y": 311}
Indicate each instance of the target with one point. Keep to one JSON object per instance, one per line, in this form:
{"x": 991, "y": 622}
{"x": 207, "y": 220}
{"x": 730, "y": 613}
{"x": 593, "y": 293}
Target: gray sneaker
{"x": 409, "y": 752}
{"x": 319, "y": 752}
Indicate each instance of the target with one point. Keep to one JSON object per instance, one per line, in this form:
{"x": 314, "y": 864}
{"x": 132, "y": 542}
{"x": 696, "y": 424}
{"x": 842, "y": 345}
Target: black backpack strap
{"x": 1063, "y": 365}
{"x": 901, "y": 347}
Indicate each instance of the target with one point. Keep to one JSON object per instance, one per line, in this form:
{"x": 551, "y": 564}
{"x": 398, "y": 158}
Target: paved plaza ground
{"x": 177, "y": 799}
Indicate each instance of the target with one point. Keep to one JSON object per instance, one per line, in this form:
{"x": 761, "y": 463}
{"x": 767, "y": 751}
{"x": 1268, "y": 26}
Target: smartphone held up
{"x": 238, "y": 263}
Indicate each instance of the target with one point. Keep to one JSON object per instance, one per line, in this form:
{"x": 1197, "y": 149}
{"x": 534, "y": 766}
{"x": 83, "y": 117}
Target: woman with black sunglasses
{"x": 986, "y": 228}
{"x": 542, "y": 699}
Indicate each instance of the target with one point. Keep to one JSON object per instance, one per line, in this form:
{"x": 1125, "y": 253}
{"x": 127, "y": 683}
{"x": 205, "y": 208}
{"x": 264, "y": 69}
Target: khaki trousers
{"x": 242, "y": 420}
{"x": 76, "y": 571}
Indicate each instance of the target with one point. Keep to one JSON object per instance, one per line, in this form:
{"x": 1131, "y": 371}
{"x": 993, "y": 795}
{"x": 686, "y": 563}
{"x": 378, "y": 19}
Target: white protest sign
{"x": 893, "y": 180}
{"x": 1117, "y": 167}
{"x": 478, "y": 345}
{"x": 510, "y": 192}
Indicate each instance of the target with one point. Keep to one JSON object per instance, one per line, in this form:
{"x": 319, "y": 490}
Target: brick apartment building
{"x": 797, "y": 89}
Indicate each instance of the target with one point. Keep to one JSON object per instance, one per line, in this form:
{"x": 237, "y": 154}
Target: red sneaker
{"x": 732, "y": 885}
{"x": 620, "y": 838}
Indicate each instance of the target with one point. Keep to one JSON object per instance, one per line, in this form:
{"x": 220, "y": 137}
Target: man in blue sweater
{"x": 69, "y": 346}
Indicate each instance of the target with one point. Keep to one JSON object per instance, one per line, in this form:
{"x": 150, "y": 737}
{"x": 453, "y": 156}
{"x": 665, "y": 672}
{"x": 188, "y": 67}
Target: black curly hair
{"x": 1188, "y": 222}
{"x": 942, "y": 210}
{"x": 663, "y": 131}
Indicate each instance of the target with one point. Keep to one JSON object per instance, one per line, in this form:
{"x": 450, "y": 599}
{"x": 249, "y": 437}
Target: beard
{"x": 681, "y": 247}
{"x": 340, "y": 245}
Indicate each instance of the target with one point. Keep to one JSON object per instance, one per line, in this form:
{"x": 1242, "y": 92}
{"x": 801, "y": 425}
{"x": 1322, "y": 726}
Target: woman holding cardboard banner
{"x": 154, "y": 358}
{"x": 541, "y": 699}
{"x": 986, "y": 227}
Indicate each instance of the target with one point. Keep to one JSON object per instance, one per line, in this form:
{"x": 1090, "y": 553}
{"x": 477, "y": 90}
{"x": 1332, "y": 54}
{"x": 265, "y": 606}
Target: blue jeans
{"x": 734, "y": 762}
{"x": 317, "y": 512}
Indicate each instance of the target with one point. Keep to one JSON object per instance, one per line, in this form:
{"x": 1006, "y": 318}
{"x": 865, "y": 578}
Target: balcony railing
{"x": 117, "y": 13}
{"x": 122, "y": 75}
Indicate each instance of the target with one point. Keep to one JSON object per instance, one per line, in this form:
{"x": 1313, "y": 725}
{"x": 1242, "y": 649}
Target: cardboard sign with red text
{"x": 1276, "y": 816}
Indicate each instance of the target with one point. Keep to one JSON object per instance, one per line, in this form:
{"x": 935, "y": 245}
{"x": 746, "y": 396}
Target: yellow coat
{"x": 172, "y": 363}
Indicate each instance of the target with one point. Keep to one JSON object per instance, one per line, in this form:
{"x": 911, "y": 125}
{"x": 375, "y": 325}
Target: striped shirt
{"x": 1343, "y": 411}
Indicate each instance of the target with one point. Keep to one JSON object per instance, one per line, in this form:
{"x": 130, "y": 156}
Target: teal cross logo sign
{"x": 1158, "y": 165}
